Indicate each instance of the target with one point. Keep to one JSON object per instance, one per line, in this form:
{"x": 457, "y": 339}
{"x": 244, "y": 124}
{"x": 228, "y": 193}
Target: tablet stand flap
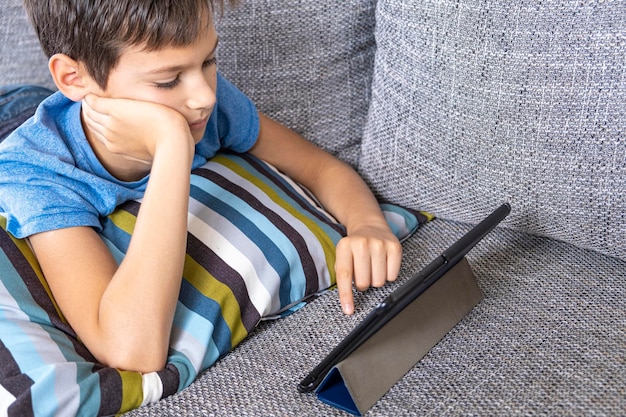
{"x": 359, "y": 381}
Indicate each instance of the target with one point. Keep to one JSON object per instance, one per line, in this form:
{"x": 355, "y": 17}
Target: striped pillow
{"x": 258, "y": 246}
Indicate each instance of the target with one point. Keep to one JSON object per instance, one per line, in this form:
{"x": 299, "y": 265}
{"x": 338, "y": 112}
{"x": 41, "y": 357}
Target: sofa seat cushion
{"x": 548, "y": 339}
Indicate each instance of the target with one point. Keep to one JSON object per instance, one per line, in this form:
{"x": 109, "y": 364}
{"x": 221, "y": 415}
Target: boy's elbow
{"x": 141, "y": 359}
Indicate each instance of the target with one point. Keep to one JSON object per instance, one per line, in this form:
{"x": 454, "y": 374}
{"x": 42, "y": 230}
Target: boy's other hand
{"x": 369, "y": 256}
{"x": 132, "y": 128}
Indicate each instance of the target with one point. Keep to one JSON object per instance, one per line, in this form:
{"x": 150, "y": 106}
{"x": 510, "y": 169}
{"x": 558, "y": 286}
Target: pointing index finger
{"x": 344, "y": 271}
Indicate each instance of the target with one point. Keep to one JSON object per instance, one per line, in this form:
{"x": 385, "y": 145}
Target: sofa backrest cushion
{"x": 475, "y": 103}
{"x": 21, "y": 58}
{"x": 308, "y": 64}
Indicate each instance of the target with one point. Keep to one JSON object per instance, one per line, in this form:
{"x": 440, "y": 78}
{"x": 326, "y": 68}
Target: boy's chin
{"x": 197, "y": 136}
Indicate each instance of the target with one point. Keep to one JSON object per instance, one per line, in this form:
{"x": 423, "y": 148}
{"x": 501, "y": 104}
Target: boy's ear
{"x": 70, "y": 77}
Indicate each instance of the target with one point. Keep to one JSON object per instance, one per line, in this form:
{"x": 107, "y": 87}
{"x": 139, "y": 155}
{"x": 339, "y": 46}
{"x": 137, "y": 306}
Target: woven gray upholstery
{"x": 478, "y": 102}
{"x": 548, "y": 339}
{"x": 473, "y": 102}
{"x": 308, "y": 64}
{"x": 21, "y": 58}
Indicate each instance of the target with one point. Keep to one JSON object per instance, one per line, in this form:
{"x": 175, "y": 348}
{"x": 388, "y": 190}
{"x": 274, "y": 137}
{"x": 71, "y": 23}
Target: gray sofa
{"x": 450, "y": 107}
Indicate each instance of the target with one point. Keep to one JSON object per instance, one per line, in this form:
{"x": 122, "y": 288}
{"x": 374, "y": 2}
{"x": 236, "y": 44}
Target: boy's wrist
{"x": 369, "y": 220}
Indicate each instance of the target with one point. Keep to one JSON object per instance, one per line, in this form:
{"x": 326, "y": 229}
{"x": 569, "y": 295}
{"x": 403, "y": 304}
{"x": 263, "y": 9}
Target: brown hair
{"x": 96, "y": 32}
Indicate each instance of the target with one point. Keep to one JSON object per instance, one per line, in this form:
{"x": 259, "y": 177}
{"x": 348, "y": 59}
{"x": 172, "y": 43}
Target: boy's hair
{"x": 96, "y": 32}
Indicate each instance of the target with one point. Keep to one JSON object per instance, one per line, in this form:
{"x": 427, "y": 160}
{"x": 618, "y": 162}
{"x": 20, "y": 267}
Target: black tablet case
{"x": 359, "y": 381}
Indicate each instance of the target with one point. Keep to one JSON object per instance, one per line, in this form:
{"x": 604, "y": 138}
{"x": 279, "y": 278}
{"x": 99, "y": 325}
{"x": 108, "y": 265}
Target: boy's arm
{"x": 124, "y": 314}
{"x": 371, "y": 254}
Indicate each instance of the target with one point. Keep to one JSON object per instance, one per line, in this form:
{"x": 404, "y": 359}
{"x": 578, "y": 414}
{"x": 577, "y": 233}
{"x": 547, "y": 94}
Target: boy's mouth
{"x": 198, "y": 124}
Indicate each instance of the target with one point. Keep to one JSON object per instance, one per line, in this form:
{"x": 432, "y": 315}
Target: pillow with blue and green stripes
{"x": 259, "y": 246}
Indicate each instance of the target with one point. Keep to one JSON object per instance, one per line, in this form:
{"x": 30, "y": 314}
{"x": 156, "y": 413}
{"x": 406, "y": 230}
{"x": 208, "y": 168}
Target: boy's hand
{"x": 132, "y": 128}
{"x": 370, "y": 256}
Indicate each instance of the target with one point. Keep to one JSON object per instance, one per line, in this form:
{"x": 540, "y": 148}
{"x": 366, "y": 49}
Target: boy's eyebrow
{"x": 177, "y": 68}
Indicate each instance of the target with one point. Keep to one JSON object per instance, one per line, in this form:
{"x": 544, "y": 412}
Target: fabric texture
{"x": 21, "y": 59}
{"x": 476, "y": 103}
{"x": 317, "y": 78}
{"x": 17, "y": 104}
{"x": 259, "y": 246}
{"x": 548, "y": 339}
{"x": 50, "y": 177}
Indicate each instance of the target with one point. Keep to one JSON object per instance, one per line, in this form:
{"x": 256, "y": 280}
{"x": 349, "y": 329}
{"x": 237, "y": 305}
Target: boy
{"x": 141, "y": 104}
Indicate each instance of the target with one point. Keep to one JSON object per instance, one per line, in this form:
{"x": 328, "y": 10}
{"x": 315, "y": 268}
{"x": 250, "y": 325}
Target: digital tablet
{"x": 402, "y": 297}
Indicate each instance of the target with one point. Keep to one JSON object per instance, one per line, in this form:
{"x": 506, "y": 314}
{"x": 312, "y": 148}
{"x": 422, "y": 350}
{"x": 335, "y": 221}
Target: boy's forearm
{"x": 343, "y": 192}
{"x": 139, "y": 303}
{"x": 339, "y": 188}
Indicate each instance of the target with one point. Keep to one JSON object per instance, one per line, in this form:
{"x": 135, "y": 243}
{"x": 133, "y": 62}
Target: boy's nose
{"x": 201, "y": 95}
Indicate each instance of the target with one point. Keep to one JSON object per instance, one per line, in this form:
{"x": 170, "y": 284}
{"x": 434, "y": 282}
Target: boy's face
{"x": 183, "y": 78}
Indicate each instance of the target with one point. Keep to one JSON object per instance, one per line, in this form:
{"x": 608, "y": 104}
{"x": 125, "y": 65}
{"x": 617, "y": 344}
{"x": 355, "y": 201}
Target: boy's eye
{"x": 174, "y": 83}
{"x": 209, "y": 62}
{"x": 169, "y": 84}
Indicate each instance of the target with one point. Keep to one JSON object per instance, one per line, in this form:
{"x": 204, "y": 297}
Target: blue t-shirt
{"x": 50, "y": 177}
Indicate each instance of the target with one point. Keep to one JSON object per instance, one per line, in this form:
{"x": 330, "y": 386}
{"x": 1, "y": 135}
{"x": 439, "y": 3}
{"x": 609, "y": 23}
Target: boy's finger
{"x": 344, "y": 272}
{"x": 346, "y": 299}
{"x": 92, "y": 117}
{"x": 377, "y": 258}
{"x": 98, "y": 104}
{"x": 394, "y": 260}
